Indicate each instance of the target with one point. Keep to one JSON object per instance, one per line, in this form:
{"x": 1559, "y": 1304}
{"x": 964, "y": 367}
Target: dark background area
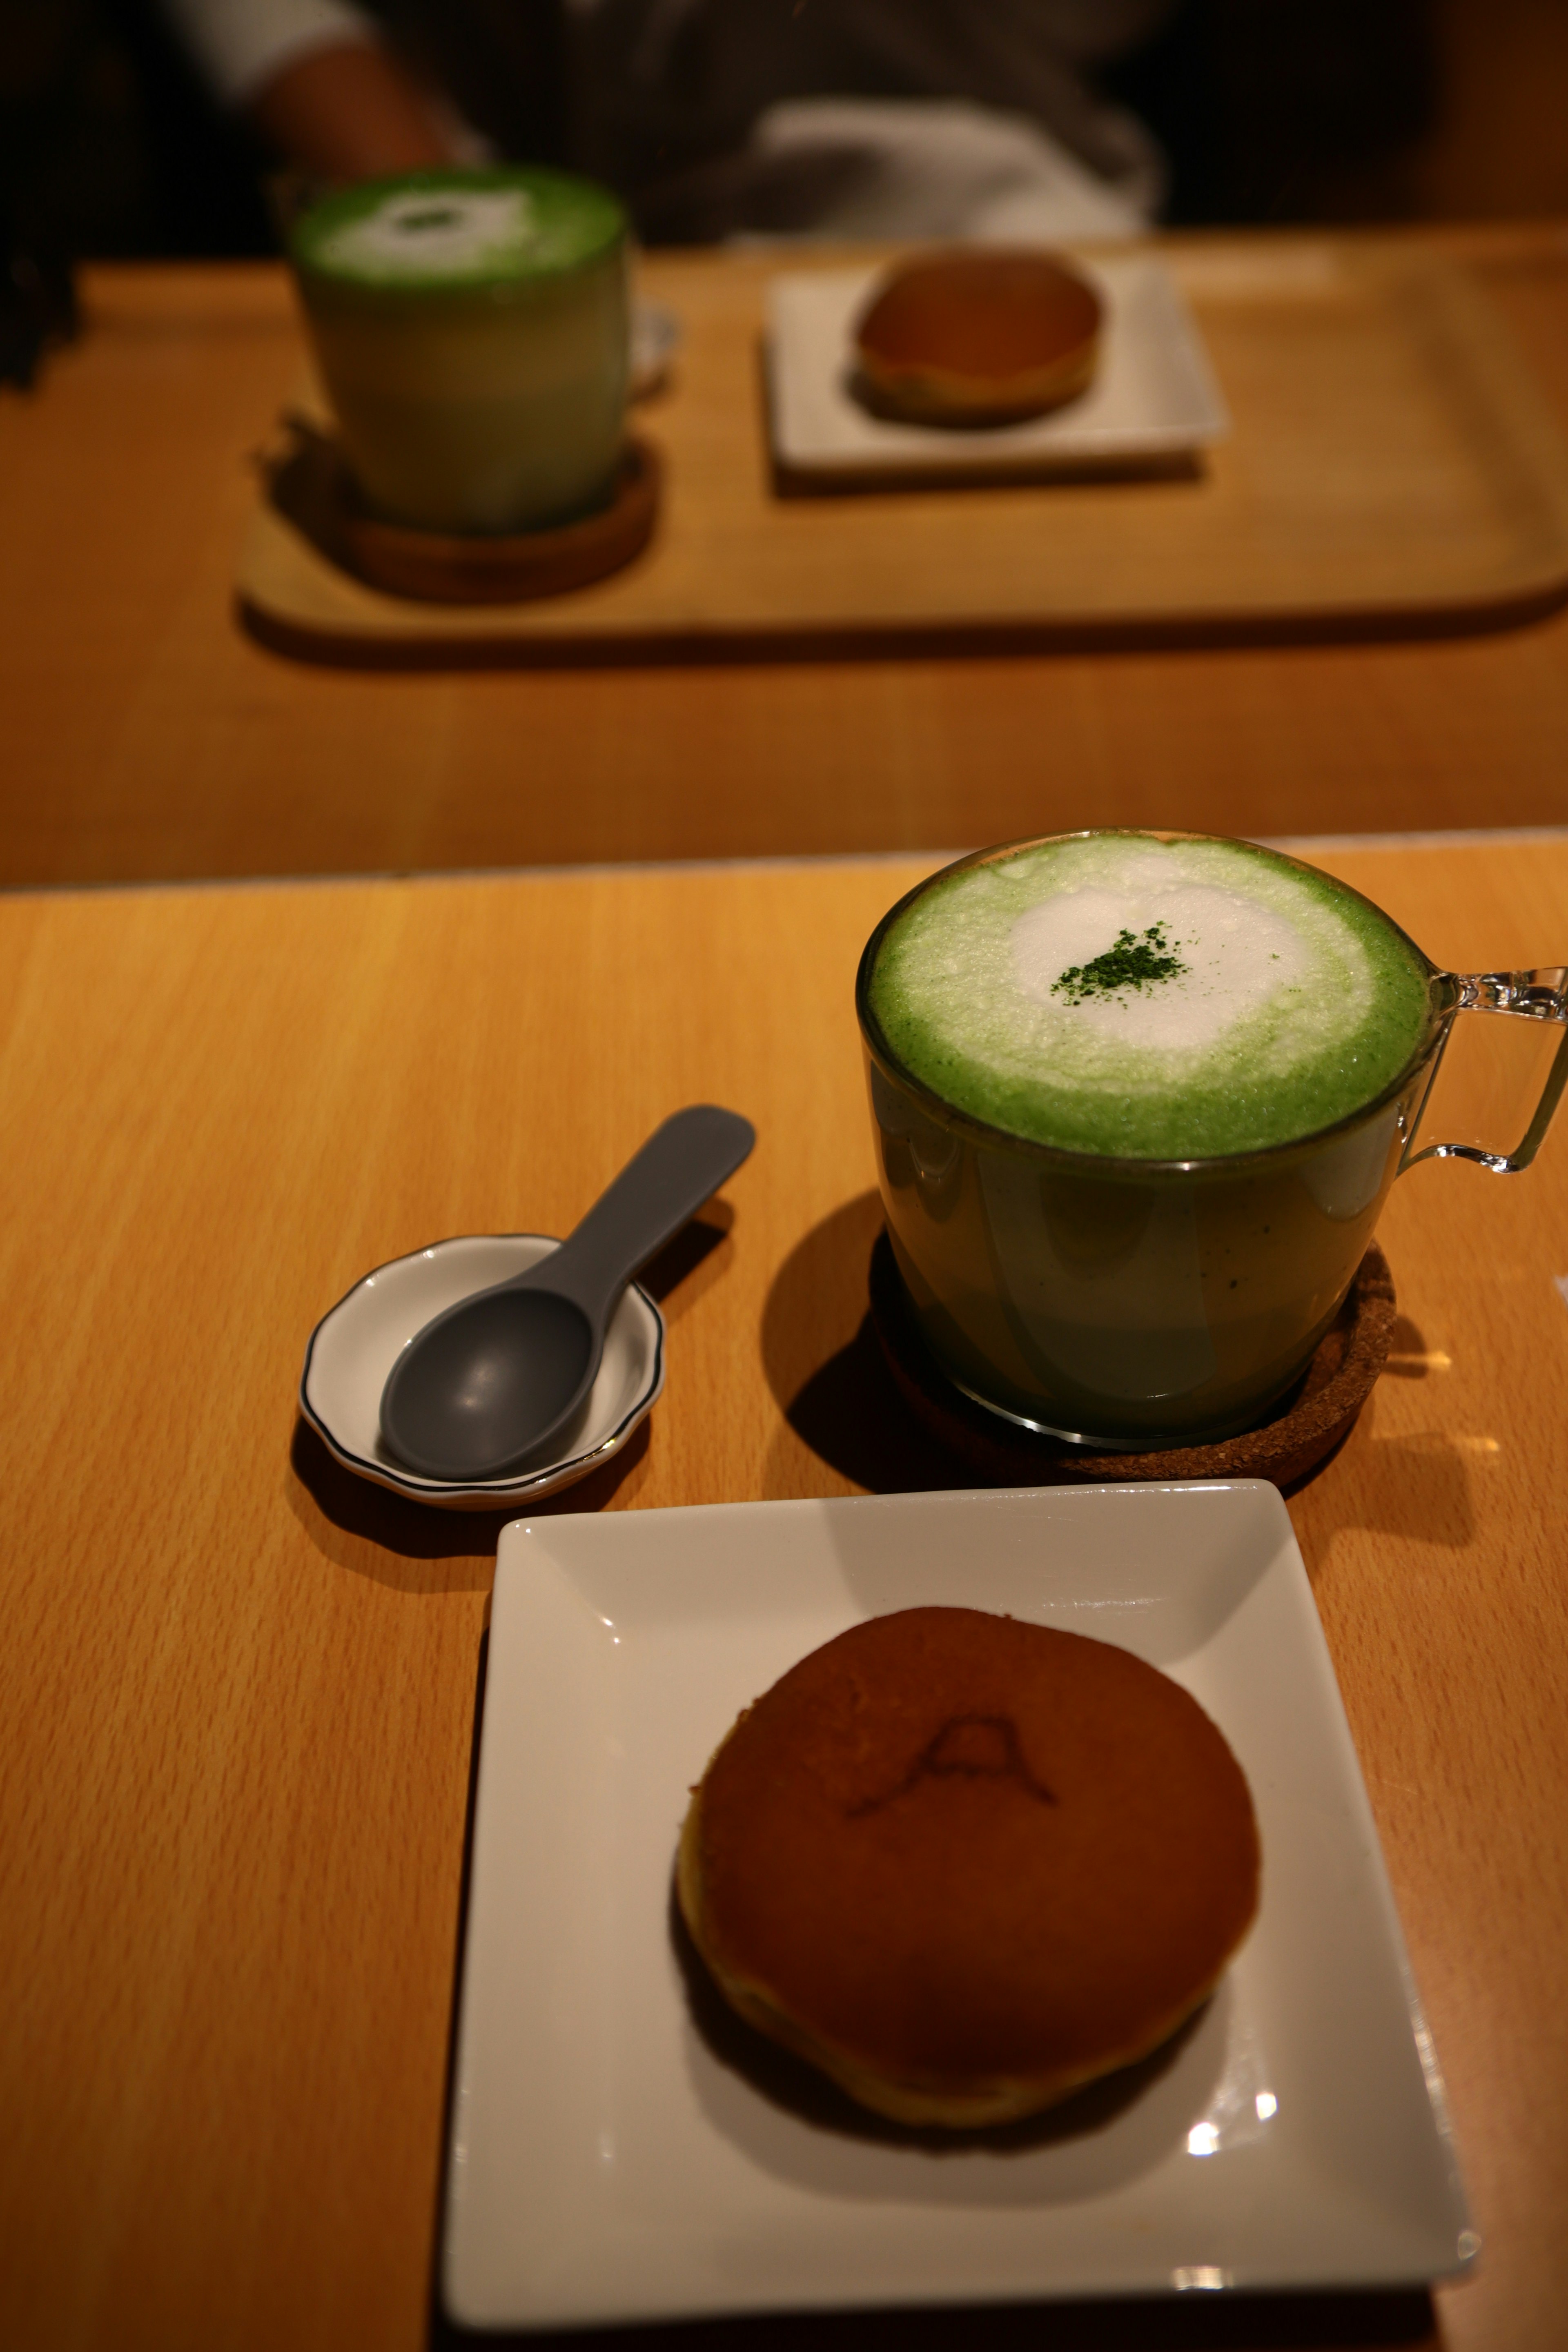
{"x": 1271, "y": 111}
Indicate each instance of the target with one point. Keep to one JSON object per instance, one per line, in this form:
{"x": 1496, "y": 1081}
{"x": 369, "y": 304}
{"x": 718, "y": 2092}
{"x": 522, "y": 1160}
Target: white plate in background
{"x": 1154, "y": 396}
{"x": 605, "y": 2166}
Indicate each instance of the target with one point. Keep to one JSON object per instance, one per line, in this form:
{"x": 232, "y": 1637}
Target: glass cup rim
{"x": 393, "y": 294}
{"x": 1105, "y": 1163}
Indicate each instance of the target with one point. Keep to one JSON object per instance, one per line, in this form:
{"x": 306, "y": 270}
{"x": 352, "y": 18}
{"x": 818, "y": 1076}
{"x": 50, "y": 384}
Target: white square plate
{"x": 1153, "y": 397}
{"x": 607, "y": 2165}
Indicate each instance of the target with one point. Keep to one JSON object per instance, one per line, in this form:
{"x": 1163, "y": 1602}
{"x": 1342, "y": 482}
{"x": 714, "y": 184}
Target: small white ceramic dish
{"x": 607, "y": 2165}
{"x": 1153, "y": 397}
{"x": 353, "y": 1347}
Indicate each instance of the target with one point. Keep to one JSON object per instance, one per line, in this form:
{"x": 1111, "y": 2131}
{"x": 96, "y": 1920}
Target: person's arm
{"x": 348, "y": 112}
{"x": 313, "y": 78}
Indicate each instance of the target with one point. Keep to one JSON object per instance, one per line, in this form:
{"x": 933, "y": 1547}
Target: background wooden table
{"x": 147, "y": 737}
{"x": 236, "y": 1688}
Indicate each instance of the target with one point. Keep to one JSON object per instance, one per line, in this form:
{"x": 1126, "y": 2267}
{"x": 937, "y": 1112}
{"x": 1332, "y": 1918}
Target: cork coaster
{"x": 307, "y": 480}
{"x": 1310, "y": 1423}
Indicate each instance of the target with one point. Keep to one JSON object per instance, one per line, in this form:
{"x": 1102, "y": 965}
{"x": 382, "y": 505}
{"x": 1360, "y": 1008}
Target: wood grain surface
{"x": 147, "y": 736}
{"x": 237, "y": 1688}
{"x": 1392, "y": 466}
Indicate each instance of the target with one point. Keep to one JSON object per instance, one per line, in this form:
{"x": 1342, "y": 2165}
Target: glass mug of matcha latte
{"x": 1139, "y": 1100}
{"x": 472, "y": 330}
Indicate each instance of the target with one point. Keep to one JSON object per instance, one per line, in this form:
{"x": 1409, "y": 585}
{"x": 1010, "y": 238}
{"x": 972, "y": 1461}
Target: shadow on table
{"x": 1201, "y": 2323}
{"x": 397, "y": 1542}
{"x": 1418, "y": 1485}
{"x": 826, "y": 1367}
{"x": 389, "y": 1537}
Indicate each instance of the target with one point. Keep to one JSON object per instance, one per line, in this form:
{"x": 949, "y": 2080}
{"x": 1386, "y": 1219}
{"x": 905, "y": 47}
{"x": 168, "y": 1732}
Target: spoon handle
{"x": 682, "y": 1163}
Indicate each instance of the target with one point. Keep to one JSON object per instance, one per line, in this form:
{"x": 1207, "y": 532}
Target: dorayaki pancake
{"x": 983, "y": 337}
{"x": 965, "y": 1864}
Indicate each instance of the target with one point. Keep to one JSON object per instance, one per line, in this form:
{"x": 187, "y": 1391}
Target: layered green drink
{"x": 471, "y": 327}
{"x": 1138, "y": 1100}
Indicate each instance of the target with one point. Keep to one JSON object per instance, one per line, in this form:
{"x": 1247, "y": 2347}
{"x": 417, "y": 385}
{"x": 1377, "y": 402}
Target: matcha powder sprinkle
{"x": 1132, "y": 962}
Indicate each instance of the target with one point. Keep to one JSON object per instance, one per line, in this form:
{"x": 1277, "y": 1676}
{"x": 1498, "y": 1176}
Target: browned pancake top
{"x": 957, "y": 1847}
{"x": 981, "y": 315}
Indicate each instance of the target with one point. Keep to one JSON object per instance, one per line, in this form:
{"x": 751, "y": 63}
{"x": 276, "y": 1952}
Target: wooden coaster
{"x": 1310, "y": 1422}
{"x": 307, "y": 481}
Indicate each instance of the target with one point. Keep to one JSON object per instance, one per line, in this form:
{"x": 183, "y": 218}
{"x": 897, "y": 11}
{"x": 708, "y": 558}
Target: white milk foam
{"x": 1275, "y": 974}
{"x": 423, "y": 233}
{"x": 1238, "y": 957}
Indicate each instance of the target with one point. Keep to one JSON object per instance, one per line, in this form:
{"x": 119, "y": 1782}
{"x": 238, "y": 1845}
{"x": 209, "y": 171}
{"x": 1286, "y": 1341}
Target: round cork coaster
{"x": 448, "y": 568}
{"x": 1305, "y": 1427}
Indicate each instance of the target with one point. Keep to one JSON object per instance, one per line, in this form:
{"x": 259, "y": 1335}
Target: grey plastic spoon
{"x": 490, "y": 1380}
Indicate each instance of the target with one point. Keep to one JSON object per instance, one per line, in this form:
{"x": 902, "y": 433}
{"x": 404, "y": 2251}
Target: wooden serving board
{"x": 1393, "y": 471}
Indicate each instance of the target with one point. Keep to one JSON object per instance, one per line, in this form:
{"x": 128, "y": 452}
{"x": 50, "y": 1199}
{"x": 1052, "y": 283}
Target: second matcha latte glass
{"x": 471, "y": 329}
{"x": 1134, "y": 1302}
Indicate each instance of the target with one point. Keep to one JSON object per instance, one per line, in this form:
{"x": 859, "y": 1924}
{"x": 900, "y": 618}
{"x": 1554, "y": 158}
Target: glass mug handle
{"x": 1528, "y": 995}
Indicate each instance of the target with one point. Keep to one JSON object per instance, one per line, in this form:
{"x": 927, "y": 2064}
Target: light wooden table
{"x": 146, "y": 736}
{"x": 236, "y": 1689}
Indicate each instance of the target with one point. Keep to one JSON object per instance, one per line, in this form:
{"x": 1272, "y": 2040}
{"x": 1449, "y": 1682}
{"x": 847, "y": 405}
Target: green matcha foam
{"x": 457, "y": 231}
{"x": 1152, "y": 1000}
